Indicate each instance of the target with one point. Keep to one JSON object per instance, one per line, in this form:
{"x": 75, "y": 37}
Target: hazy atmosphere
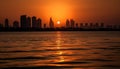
{"x": 60, "y": 34}
{"x": 106, "y": 11}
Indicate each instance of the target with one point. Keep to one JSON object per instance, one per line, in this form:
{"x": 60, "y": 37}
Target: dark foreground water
{"x": 60, "y": 50}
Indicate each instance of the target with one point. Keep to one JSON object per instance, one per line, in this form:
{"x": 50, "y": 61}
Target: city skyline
{"x": 33, "y": 23}
{"x": 106, "y": 11}
{"x": 60, "y": 34}
{"x": 26, "y": 21}
{"x": 32, "y": 20}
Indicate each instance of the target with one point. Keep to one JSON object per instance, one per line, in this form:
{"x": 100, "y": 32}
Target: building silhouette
{"x": 77, "y": 25}
{"x": 29, "y": 22}
{"x": 39, "y": 23}
{"x": 6, "y": 23}
{"x": 15, "y": 24}
{"x": 45, "y": 26}
{"x": 51, "y": 23}
{"x": 23, "y": 21}
{"x": 81, "y": 25}
{"x": 34, "y": 22}
{"x": 67, "y": 23}
{"x": 72, "y": 23}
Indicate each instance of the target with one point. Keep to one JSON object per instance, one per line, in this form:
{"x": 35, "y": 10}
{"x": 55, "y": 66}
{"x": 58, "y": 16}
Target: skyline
{"x": 60, "y": 10}
{"x": 59, "y": 34}
{"x": 33, "y": 23}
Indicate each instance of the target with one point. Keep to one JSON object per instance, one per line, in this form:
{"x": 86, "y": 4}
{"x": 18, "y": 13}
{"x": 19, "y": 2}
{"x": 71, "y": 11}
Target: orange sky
{"x": 80, "y": 10}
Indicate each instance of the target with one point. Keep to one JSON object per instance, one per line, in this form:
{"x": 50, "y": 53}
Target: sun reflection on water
{"x": 59, "y": 52}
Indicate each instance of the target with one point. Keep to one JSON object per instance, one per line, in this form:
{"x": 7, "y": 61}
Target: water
{"x": 60, "y": 50}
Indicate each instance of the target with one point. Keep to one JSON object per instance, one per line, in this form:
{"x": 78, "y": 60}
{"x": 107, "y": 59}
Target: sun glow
{"x": 58, "y": 22}
{"x": 58, "y": 11}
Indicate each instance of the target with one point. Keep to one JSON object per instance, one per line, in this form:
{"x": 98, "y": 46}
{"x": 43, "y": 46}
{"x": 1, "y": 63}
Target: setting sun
{"x": 58, "y": 11}
{"x": 58, "y": 22}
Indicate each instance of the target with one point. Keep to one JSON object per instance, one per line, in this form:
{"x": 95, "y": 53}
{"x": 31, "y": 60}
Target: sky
{"x": 81, "y": 11}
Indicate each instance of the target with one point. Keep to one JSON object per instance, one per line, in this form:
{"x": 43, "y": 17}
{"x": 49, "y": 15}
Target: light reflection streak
{"x": 59, "y": 52}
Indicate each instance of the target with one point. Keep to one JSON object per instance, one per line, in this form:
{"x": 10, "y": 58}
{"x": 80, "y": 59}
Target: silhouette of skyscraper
{"x": 67, "y": 24}
{"x": 15, "y": 24}
{"x": 51, "y": 23}
{"x": 6, "y": 23}
{"x": 72, "y": 23}
{"x": 44, "y": 26}
{"x": 23, "y": 21}
{"x": 34, "y": 22}
{"x": 39, "y": 23}
{"x": 77, "y": 25}
{"x": 28, "y": 22}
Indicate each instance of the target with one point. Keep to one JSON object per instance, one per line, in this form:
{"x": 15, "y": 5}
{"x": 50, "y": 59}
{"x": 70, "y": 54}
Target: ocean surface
{"x": 60, "y": 50}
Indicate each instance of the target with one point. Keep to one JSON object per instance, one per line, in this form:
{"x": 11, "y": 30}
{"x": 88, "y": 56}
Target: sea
{"x": 60, "y": 50}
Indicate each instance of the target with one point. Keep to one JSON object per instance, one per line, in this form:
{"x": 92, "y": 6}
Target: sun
{"x": 58, "y": 22}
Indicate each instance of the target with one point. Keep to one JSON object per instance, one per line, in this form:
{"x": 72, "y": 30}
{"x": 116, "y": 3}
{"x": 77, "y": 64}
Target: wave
{"x": 29, "y": 57}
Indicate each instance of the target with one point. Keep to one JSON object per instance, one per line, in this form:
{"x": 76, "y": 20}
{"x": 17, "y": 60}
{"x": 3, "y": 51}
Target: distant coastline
{"x": 33, "y": 23}
{"x": 54, "y": 29}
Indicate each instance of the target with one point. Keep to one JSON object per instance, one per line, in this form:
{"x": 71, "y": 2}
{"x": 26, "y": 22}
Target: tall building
{"x": 39, "y": 23}
{"x": 34, "y": 22}
{"x": 6, "y": 23}
{"x": 28, "y": 22}
{"x": 67, "y": 24}
{"x": 45, "y": 26}
{"x": 23, "y": 21}
{"x": 51, "y": 23}
{"x": 77, "y": 25}
{"x": 72, "y": 23}
{"x": 15, "y": 24}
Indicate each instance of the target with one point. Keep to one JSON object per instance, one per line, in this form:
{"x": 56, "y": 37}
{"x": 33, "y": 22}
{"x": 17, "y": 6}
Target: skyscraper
{"x": 39, "y": 23}
{"x": 23, "y": 21}
{"x": 77, "y": 25}
{"x": 72, "y": 23}
{"x": 34, "y": 22}
{"x": 44, "y": 26}
{"x": 15, "y": 24}
{"x": 51, "y": 23}
{"x": 28, "y": 22}
{"x": 6, "y": 23}
{"x": 67, "y": 24}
